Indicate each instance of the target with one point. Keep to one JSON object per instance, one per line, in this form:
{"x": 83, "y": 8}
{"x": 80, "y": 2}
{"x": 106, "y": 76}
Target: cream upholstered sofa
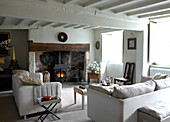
{"x": 23, "y": 94}
{"x": 122, "y": 102}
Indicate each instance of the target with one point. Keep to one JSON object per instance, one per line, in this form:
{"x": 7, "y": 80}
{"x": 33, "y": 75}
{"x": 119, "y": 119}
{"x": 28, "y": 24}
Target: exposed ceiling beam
{"x": 61, "y": 25}
{"x": 163, "y": 13}
{"x": 162, "y": 17}
{"x": 16, "y": 27}
{"x": 92, "y": 27}
{"x": 55, "y": 15}
{"x": 68, "y": 1}
{"x": 139, "y": 6}
{"x": 71, "y": 26}
{"x": 3, "y": 21}
{"x": 93, "y": 3}
{"x": 80, "y": 26}
{"x": 48, "y": 24}
{"x": 20, "y": 22}
{"x": 115, "y": 4}
{"x": 44, "y": 0}
{"x": 34, "y": 23}
{"x": 150, "y": 10}
{"x": 67, "y": 24}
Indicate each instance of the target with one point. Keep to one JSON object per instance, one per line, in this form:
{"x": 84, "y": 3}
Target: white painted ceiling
{"x": 154, "y": 10}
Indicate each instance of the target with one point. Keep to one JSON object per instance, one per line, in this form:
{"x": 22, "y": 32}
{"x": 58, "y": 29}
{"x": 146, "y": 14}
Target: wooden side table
{"x": 83, "y": 92}
{"x": 93, "y": 76}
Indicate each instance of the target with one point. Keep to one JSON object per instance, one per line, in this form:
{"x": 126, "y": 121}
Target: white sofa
{"x": 23, "y": 95}
{"x": 104, "y": 107}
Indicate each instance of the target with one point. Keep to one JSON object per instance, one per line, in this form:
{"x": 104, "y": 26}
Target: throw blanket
{"x": 47, "y": 89}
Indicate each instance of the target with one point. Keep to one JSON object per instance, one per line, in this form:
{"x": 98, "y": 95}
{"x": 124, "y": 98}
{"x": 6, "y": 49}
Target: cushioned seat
{"x": 104, "y": 89}
{"x": 157, "y": 112}
{"x": 128, "y": 74}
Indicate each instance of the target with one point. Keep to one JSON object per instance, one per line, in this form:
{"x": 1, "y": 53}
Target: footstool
{"x": 82, "y": 92}
{"x": 157, "y": 112}
{"x": 48, "y": 110}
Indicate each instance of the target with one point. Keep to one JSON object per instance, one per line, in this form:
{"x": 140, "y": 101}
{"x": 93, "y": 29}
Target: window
{"x": 112, "y": 46}
{"x": 160, "y": 43}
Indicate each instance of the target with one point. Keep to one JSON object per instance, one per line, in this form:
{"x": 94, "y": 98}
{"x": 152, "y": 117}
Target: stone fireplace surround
{"x": 35, "y": 49}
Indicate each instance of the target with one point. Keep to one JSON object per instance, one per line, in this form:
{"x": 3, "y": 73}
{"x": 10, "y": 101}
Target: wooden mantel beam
{"x": 33, "y": 47}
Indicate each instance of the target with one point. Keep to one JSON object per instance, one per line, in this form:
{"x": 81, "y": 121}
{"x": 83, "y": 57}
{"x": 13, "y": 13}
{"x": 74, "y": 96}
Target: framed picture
{"x": 132, "y": 43}
{"x": 97, "y": 45}
{"x": 4, "y": 44}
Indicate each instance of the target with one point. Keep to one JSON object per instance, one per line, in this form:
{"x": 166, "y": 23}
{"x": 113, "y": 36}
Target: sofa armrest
{"x": 36, "y": 75}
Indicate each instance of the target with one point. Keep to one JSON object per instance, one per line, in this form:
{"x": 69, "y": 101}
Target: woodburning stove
{"x": 60, "y": 72}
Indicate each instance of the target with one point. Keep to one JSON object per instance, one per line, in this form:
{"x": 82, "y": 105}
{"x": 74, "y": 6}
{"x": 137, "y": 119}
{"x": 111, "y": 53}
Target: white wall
{"x": 49, "y": 35}
{"x": 98, "y": 37}
{"x": 19, "y": 41}
{"x": 128, "y": 55}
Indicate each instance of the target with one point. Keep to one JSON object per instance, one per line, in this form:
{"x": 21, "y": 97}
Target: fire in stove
{"x": 61, "y": 74}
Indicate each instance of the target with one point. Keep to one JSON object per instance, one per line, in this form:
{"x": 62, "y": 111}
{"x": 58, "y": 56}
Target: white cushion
{"x": 104, "y": 89}
{"x": 145, "y": 78}
{"x": 23, "y": 73}
{"x": 31, "y": 81}
{"x": 162, "y": 83}
{"x": 127, "y": 91}
{"x": 156, "y": 76}
{"x": 158, "y": 109}
{"x": 163, "y": 76}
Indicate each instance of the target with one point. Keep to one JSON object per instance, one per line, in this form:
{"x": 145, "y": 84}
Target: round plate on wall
{"x": 62, "y": 37}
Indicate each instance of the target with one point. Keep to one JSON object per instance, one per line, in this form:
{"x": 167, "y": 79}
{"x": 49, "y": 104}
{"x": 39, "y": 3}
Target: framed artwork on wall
{"x": 132, "y": 43}
{"x": 4, "y": 44}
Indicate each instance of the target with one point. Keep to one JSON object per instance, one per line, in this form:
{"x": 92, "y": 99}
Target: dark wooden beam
{"x": 58, "y": 47}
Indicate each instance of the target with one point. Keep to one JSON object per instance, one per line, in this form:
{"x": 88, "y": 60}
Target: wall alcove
{"x": 76, "y": 55}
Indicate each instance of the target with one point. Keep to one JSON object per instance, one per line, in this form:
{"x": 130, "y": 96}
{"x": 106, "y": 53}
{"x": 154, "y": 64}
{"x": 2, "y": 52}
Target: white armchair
{"x": 23, "y": 95}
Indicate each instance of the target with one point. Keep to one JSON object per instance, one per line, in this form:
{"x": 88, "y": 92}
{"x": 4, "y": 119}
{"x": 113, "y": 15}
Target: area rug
{"x": 69, "y": 112}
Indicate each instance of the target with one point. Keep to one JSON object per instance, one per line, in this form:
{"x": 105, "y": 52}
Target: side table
{"x": 93, "y": 76}
{"x": 48, "y": 111}
{"x": 82, "y": 92}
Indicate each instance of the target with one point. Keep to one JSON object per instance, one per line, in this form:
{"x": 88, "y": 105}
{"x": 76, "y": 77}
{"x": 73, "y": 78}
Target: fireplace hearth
{"x": 62, "y": 65}
{"x": 65, "y": 62}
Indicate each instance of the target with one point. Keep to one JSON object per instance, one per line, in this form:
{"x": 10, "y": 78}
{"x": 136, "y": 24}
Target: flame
{"x": 62, "y": 74}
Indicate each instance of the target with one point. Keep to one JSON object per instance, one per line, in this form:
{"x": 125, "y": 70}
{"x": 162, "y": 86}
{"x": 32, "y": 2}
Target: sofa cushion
{"x": 159, "y": 109}
{"x": 23, "y": 73}
{"x": 127, "y": 91}
{"x": 31, "y": 81}
{"x": 145, "y": 78}
{"x": 158, "y": 76}
{"x": 104, "y": 89}
{"x": 163, "y": 76}
{"x": 162, "y": 83}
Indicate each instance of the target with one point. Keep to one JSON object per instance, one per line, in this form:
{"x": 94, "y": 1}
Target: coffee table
{"x": 82, "y": 92}
{"x": 48, "y": 111}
